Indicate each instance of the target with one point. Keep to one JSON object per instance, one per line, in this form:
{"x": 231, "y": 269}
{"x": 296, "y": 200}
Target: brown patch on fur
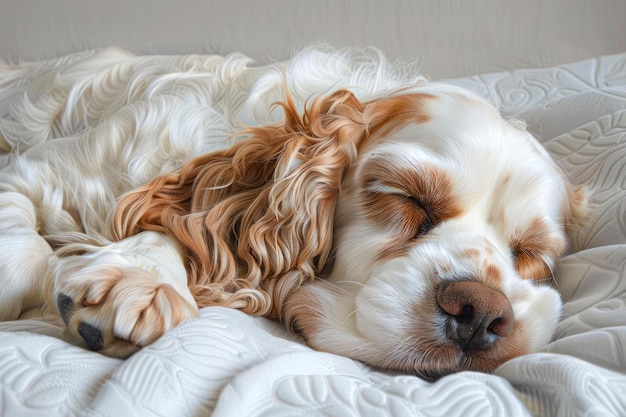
{"x": 393, "y": 113}
{"x": 426, "y": 198}
{"x": 530, "y": 267}
{"x": 534, "y": 247}
{"x": 491, "y": 275}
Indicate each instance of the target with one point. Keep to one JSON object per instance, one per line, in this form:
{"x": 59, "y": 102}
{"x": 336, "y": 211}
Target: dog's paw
{"x": 116, "y": 310}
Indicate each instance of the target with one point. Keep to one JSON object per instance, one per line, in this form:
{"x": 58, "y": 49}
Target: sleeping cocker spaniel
{"x": 402, "y": 223}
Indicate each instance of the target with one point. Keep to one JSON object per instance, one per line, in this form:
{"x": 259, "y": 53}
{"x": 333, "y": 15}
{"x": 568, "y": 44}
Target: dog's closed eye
{"x": 427, "y": 219}
{"x": 408, "y": 200}
{"x": 535, "y": 249}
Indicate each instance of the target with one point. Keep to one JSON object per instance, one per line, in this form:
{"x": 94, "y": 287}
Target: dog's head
{"x": 414, "y": 232}
{"x": 447, "y": 230}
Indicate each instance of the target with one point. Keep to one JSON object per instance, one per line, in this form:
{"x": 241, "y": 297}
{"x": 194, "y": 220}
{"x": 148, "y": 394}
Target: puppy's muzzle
{"x": 476, "y": 315}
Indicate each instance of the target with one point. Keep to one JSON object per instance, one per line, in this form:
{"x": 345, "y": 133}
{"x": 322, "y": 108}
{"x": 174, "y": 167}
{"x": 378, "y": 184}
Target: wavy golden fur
{"x": 253, "y": 231}
{"x": 256, "y": 220}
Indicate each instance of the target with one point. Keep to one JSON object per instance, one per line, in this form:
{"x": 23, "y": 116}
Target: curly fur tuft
{"x": 255, "y": 220}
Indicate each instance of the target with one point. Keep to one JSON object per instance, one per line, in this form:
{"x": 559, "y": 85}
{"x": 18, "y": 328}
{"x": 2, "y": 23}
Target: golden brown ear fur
{"x": 255, "y": 220}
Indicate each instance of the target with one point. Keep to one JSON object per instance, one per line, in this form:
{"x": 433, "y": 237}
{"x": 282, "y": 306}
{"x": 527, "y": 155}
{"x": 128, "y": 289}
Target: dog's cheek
{"x": 540, "y": 321}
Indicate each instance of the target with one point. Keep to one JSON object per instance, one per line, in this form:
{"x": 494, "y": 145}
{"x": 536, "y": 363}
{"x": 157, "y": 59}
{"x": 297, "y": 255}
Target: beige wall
{"x": 450, "y": 38}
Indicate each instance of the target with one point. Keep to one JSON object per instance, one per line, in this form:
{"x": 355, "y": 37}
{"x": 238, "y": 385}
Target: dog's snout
{"x": 477, "y": 316}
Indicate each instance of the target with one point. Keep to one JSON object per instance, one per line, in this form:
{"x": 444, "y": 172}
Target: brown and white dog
{"x": 398, "y": 222}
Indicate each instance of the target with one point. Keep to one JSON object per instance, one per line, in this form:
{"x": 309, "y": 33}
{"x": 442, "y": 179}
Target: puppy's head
{"x": 446, "y": 233}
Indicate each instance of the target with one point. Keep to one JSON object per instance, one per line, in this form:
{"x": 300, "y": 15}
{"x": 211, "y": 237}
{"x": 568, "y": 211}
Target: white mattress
{"x": 230, "y": 364}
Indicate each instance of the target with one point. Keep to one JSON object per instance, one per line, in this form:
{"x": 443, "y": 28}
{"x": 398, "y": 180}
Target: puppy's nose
{"x": 476, "y": 315}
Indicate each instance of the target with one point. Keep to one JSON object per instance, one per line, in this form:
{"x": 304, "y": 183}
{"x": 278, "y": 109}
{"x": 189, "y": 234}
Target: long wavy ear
{"x": 255, "y": 220}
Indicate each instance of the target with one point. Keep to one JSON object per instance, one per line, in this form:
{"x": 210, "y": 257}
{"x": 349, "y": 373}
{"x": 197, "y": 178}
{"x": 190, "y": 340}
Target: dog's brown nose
{"x": 477, "y": 316}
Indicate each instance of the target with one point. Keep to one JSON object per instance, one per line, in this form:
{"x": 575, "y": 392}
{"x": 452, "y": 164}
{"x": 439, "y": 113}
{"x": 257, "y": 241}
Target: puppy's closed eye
{"x": 535, "y": 249}
{"x": 427, "y": 222}
{"x": 530, "y": 265}
{"x": 401, "y": 214}
{"x": 406, "y": 199}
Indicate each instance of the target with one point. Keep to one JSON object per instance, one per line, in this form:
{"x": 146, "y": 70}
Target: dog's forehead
{"x": 457, "y": 125}
{"x": 512, "y": 160}
{"x": 458, "y": 121}
{"x": 487, "y": 158}
{"x": 473, "y": 143}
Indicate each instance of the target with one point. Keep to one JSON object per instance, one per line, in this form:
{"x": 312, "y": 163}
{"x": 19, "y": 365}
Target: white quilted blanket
{"x": 228, "y": 364}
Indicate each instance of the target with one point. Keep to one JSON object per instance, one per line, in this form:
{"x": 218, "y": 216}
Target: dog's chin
{"x": 330, "y": 319}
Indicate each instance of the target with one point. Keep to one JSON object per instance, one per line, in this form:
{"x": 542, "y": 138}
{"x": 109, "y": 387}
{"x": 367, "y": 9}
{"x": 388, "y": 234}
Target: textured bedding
{"x": 230, "y": 364}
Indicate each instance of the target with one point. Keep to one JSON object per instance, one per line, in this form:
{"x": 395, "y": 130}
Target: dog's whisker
{"x": 360, "y": 284}
{"x": 356, "y": 310}
{"x": 343, "y": 322}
